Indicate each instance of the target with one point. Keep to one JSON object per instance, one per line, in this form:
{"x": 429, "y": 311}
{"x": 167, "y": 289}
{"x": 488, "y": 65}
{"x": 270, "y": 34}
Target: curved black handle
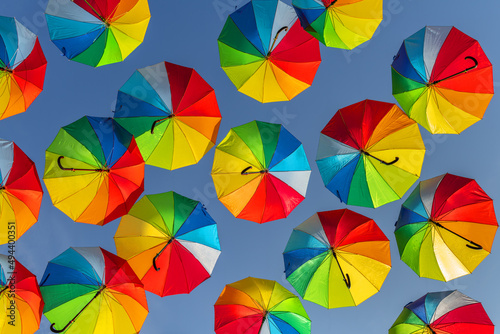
{"x": 380, "y": 160}
{"x": 75, "y": 169}
{"x": 464, "y": 71}
{"x": 158, "y": 121}
{"x": 340, "y": 198}
{"x": 347, "y": 281}
{"x": 474, "y": 245}
{"x": 285, "y": 28}
{"x": 52, "y": 329}
{"x": 244, "y": 172}
{"x": 154, "y": 262}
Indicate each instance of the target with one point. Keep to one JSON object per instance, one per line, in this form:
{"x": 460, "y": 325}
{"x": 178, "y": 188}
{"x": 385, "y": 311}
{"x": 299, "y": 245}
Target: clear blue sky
{"x": 185, "y": 32}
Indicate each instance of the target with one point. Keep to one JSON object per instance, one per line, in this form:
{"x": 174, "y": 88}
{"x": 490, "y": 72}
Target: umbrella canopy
{"x": 172, "y": 112}
{"x": 337, "y": 258}
{"x": 446, "y": 227}
{"x": 22, "y": 67}
{"x": 97, "y": 32}
{"x": 259, "y": 306}
{"x": 90, "y": 290}
{"x": 266, "y": 53}
{"x": 260, "y": 172}
{"x": 94, "y": 171}
{"x": 442, "y": 79}
{"x": 370, "y": 153}
{"x": 342, "y": 24}
{"x": 20, "y": 192}
{"x": 20, "y": 298}
{"x": 447, "y": 312}
{"x": 170, "y": 241}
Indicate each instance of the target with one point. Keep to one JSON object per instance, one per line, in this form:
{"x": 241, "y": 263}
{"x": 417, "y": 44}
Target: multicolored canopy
{"x": 266, "y": 53}
{"x": 20, "y": 192}
{"x": 442, "y": 79}
{"x": 260, "y": 172}
{"x": 94, "y": 171}
{"x": 342, "y": 24}
{"x": 337, "y": 258}
{"x": 22, "y": 67}
{"x": 446, "y": 227}
{"x": 90, "y": 290}
{"x": 170, "y": 241}
{"x": 97, "y": 32}
{"x": 447, "y": 312}
{"x": 172, "y": 112}
{"x": 370, "y": 153}
{"x": 20, "y": 298}
{"x": 259, "y": 306}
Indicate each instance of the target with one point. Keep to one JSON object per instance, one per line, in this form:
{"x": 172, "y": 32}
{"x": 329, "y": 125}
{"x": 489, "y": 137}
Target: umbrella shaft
{"x": 52, "y": 326}
{"x": 347, "y": 281}
{"x": 464, "y": 71}
{"x": 382, "y": 161}
{"x": 475, "y": 245}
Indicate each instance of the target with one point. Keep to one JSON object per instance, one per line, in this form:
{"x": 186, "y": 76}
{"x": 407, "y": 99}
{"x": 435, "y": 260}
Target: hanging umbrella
{"x": 337, "y": 258}
{"x": 260, "y": 172}
{"x": 94, "y": 171}
{"x": 22, "y": 67}
{"x": 170, "y": 241}
{"x": 90, "y": 290}
{"x": 446, "y": 227}
{"x": 447, "y": 312}
{"x": 20, "y": 298}
{"x": 265, "y": 52}
{"x": 259, "y": 306}
{"x": 20, "y": 192}
{"x": 442, "y": 79}
{"x": 172, "y": 112}
{"x": 342, "y": 24}
{"x": 97, "y": 32}
{"x": 370, "y": 153}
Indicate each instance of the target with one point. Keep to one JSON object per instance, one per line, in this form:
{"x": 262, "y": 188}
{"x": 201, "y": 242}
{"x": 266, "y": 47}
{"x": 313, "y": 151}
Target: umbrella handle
{"x": 347, "y": 281}
{"x": 285, "y": 28}
{"x": 75, "y": 169}
{"x": 474, "y": 245}
{"x": 244, "y": 172}
{"x": 382, "y": 161}
{"x": 464, "y": 71}
{"x": 76, "y": 316}
{"x": 159, "y": 253}
{"x": 340, "y": 198}
{"x": 52, "y": 329}
{"x": 158, "y": 121}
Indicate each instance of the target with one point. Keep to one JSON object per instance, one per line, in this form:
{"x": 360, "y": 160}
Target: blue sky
{"x": 185, "y": 33}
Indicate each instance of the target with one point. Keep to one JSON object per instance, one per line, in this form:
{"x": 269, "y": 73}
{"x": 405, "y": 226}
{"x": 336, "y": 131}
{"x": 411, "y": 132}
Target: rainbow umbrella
{"x": 442, "y": 79}
{"x": 22, "y": 67}
{"x": 259, "y": 306}
{"x": 97, "y": 32}
{"x": 172, "y": 112}
{"x": 337, "y": 258}
{"x": 370, "y": 153}
{"x": 20, "y": 298}
{"x": 90, "y": 290}
{"x": 170, "y": 241}
{"x": 20, "y": 192}
{"x": 342, "y": 24}
{"x": 94, "y": 171}
{"x": 265, "y": 52}
{"x": 446, "y": 227}
{"x": 260, "y": 172}
{"x": 446, "y": 312}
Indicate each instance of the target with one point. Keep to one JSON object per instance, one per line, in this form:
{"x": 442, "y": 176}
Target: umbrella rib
{"x": 451, "y": 195}
{"x": 433, "y": 96}
{"x": 83, "y": 188}
{"x": 190, "y": 148}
